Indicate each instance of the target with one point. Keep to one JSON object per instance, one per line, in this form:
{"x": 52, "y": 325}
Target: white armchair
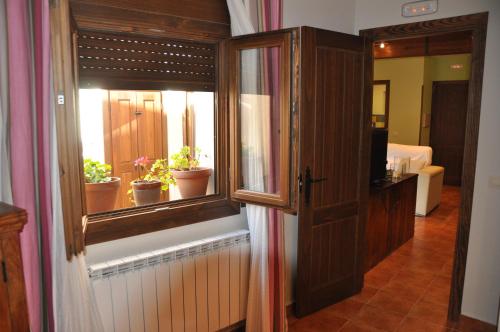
{"x": 430, "y": 178}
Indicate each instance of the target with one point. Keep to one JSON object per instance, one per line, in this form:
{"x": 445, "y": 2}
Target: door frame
{"x": 477, "y": 25}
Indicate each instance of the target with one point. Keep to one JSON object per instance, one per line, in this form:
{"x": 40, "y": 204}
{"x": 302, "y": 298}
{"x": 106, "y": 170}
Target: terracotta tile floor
{"x": 409, "y": 290}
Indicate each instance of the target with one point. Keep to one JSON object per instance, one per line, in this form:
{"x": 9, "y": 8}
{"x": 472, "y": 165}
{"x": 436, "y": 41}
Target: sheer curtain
{"x": 265, "y": 308}
{"x": 75, "y": 307}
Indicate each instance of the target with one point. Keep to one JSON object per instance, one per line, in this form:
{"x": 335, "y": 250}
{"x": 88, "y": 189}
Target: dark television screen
{"x": 379, "y": 154}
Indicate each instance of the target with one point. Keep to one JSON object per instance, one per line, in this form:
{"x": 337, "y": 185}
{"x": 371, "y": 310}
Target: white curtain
{"x": 5, "y": 184}
{"x": 75, "y": 307}
{"x": 258, "y": 309}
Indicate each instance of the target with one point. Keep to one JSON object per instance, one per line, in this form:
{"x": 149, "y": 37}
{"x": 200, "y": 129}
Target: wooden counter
{"x": 391, "y": 217}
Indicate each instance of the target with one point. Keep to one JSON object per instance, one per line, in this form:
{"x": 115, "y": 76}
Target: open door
{"x": 334, "y": 166}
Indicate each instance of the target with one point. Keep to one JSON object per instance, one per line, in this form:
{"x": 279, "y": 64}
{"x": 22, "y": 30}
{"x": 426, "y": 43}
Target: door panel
{"x": 150, "y": 124}
{"x": 124, "y": 145}
{"x": 333, "y": 146}
{"x": 448, "y": 117}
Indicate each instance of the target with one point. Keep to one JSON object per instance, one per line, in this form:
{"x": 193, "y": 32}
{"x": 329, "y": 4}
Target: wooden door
{"x": 123, "y": 144}
{"x": 448, "y": 119}
{"x": 334, "y": 152}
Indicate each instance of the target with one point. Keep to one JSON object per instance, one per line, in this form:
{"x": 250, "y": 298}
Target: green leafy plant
{"x": 96, "y": 172}
{"x": 159, "y": 171}
{"x": 184, "y": 160}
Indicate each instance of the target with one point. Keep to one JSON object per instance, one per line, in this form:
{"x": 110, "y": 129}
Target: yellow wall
{"x": 406, "y": 76}
{"x": 411, "y": 92}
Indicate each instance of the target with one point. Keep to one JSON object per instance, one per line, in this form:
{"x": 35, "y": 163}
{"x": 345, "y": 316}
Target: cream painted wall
{"x": 335, "y": 15}
{"x": 407, "y": 77}
{"x": 482, "y": 278}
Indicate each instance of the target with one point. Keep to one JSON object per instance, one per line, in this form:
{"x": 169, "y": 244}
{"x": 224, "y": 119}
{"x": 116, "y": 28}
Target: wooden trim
{"x": 477, "y": 24}
{"x": 283, "y": 40}
{"x": 68, "y": 128}
{"x": 465, "y": 323}
{"x": 387, "y": 84}
{"x": 135, "y": 221}
{"x": 122, "y": 18}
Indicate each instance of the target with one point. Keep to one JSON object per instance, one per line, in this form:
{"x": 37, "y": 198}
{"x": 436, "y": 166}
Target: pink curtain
{"x": 271, "y": 19}
{"x": 29, "y": 147}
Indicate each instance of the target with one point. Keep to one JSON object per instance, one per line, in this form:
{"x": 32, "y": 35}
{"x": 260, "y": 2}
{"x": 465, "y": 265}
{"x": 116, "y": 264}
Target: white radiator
{"x": 197, "y": 286}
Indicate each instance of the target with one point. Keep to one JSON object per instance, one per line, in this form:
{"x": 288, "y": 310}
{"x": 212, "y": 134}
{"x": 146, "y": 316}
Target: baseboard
{"x": 471, "y": 324}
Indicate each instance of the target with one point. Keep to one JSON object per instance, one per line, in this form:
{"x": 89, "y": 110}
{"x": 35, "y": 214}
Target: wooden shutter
{"x": 126, "y": 61}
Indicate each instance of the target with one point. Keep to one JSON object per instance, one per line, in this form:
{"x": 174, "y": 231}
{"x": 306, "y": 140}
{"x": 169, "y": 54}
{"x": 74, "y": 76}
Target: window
{"x": 153, "y": 128}
{"x": 158, "y": 61}
{"x": 158, "y": 146}
{"x": 261, "y": 143}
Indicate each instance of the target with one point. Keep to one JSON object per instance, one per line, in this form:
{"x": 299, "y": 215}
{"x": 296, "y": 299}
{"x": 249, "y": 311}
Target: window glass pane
{"x": 259, "y": 107}
{"x": 159, "y": 144}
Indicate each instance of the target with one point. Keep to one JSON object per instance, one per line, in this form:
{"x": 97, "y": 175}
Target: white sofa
{"x": 430, "y": 178}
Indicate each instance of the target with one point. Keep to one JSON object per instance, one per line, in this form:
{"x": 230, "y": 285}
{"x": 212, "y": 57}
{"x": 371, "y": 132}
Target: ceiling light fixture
{"x": 382, "y": 45}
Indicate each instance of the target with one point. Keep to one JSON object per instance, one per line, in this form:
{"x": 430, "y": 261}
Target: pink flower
{"x": 142, "y": 161}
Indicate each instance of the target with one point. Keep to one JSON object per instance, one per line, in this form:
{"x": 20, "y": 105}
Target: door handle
{"x": 309, "y": 180}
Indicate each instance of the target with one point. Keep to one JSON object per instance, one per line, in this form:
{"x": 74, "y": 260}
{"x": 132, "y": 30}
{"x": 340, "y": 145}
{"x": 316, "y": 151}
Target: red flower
{"x": 142, "y": 161}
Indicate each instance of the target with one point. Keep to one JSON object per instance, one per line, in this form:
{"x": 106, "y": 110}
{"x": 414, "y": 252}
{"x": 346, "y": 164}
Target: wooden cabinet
{"x": 13, "y": 307}
{"x": 391, "y": 218}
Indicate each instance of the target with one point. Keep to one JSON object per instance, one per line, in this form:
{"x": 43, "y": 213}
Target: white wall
{"x": 335, "y": 15}
{"x": 482, "y": 278}
{"x": 135, "y": 245}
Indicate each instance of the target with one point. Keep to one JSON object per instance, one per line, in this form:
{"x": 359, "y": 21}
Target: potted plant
{"x": 191, "y": 179}
{"x": 101, "y": 189}
{"x": 147, "y": 189}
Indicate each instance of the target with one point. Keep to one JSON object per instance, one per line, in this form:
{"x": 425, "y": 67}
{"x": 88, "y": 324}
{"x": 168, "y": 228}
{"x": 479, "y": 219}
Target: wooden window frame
{"x": 283, "y": 40}
{"x": 82, "y": 229}
{"x": 140, "y": 220}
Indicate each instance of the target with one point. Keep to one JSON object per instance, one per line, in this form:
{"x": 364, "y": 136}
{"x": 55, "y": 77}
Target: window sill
{"x": 121, "y": 224}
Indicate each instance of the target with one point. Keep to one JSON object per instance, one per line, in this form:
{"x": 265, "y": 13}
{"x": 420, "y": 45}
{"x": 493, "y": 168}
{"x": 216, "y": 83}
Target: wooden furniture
{"x": 391, "y": 217}
{"x": 13, "y": 306}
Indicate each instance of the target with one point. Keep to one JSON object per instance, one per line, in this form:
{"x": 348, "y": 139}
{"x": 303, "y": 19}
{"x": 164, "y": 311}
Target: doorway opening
{"x": 439, "y": 240}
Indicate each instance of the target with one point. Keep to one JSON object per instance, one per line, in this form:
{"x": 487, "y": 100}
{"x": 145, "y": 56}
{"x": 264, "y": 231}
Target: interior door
{"x": 335, "y": 109}
{"x": 448, "y": 117}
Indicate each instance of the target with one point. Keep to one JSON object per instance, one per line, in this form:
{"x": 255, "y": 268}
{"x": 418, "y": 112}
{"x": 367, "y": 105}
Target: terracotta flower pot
{"x": 192, "y": 183}
{"x": 146, "y": 192}
{"x": 102, "y": 196}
